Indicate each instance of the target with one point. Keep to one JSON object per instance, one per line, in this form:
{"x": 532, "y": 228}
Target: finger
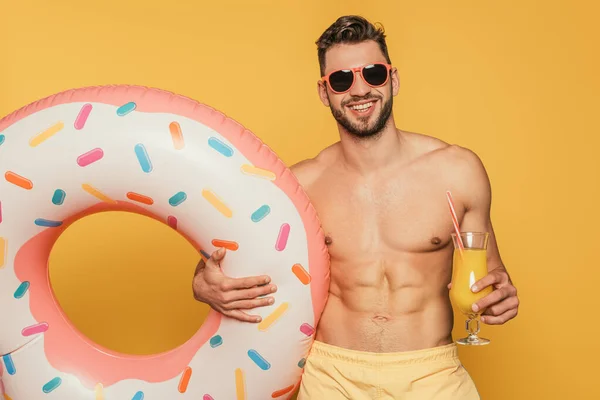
{"x": 249, "y": 304}
{"x": 242, "y": 316}
{"x": 246, "y": 283}
{"x": 498, "y": 309}
{"x": 495, "y": 297}
{"x": 216, "y": 257}
{"x": 500, "y": 319}
{"x": 249, "y": 294}
{"x": 484, "y": 282}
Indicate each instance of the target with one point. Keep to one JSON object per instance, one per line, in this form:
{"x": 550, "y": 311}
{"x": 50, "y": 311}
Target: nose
{"x": 360, "y": 87}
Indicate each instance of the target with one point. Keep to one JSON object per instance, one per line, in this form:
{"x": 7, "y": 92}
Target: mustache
{"x": 354, "y": 99}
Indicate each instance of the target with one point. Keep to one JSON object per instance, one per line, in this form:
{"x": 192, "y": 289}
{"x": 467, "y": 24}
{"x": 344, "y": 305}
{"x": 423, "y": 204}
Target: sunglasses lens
{"x": 375, "y": 74}
{"x": 341, "y": 81}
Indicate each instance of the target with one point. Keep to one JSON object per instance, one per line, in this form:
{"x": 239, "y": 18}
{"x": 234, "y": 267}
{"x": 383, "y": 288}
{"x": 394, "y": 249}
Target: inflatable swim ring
{"x": 165, "y": 156}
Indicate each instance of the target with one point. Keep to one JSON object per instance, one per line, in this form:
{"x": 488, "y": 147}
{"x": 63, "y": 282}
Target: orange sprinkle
{"x": 176, "y": 135}
{"x": 301, "y": 274}
{"x": 7, "y": 397}
{"x": 185, "y": 379}
{"x": 140, "y": 198}
{"x": 279, "y": 393}
{"x": 233, "y": 246}
{"x": 240, "y": 386}
{"x": 18, "y": 180}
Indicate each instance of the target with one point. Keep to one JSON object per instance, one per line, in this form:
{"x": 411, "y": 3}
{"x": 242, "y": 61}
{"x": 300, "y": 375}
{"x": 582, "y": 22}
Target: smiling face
{"x": 363, "y": 110}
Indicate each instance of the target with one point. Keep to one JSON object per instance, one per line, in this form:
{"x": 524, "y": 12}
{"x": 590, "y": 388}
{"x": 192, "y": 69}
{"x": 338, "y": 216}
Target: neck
{"x": 367, "y": 154}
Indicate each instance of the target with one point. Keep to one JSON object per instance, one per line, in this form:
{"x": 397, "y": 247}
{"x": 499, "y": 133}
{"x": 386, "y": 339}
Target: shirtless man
{"x": 385, "y": 332}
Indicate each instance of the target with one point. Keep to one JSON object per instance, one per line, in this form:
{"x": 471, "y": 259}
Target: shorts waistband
{"x": 447, "y": 352}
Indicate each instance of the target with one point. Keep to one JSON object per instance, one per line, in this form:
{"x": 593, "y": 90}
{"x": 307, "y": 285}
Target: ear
{"x": 395, "y": 81}
{"x": 322, "y": 89}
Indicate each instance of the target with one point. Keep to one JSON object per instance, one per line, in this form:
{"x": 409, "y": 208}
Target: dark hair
{"x": 350, "y": 29}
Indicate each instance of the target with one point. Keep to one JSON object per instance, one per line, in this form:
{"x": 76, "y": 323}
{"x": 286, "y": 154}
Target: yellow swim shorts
{"x": 334, "y": 373}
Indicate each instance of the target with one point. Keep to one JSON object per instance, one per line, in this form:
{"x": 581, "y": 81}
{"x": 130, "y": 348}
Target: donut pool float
{"x": 165, "y": 156}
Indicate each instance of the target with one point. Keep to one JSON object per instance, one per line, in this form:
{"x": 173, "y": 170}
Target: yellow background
{"x": 516, "y": 81}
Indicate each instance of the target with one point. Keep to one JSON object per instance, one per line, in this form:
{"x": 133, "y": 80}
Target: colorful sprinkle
{"x": 205, "y": 254}
{"x": 233, "y": 246}
{"x": 302, "y": 363}
{"x": 172, "y": 222}
{"x": 59, "y": 197}
{"x": 47, "y": 134}
{"x": 259, "y": 360}
{"x": 140, "y": 198}
{"x": 138, "y": 396}
{"x": 301, "y": 274}
{"x": 176, "y": 135}
{"x": 185, "y": 380}
{"x": 18, "y": 180}
{"x": 90, "y": 157}
{"x": 143, "y": 158}
{"x": 47, "y": 223}
{"x": 216, "y": 341}
{"x": 35, "y": 329}
{"x": 274, "y": 316}
{"x": 99, "y": 392}
{"x": 3, "y": 251}
{"x": 217, "y": 203}
{"x": 258, "y": 172}
{"x": 307, "y": 329}
{"x": 82, "y": 117}
{"x": 207, "y": 397}
{"x": 126, "y": 108}
{"x": 240, "y": 385}
{"x": 284, "y": 233}
{"x": 221, "y": 147}
{"x": 97, "y": 194}
{"x": 261, "y": 213}
{"x": 51, "y": 385}
{"x": 177, "y": 199}
{"x": 10, "y": 365}
{"x": 2, "y": 137}
{"x": 281, "y": 392}
{"x": 21, "y": 290}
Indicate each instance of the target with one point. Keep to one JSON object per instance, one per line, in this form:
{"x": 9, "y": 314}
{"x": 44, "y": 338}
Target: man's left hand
{"x": 502, "y": 304}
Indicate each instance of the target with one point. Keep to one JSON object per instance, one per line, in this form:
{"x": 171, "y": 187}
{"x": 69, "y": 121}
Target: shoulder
{"x": 310, "y": 170}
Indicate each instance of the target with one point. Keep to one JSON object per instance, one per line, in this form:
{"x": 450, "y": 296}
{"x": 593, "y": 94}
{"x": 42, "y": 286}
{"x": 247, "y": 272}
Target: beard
{"x": 363, "y": 129}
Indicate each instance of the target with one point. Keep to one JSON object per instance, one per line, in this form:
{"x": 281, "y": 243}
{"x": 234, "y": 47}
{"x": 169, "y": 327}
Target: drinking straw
{"x": 461, "y": 246}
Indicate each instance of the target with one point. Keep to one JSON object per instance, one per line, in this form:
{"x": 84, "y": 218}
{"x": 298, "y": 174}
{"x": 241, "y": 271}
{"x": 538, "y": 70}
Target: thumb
{"x": 217, "y": 256}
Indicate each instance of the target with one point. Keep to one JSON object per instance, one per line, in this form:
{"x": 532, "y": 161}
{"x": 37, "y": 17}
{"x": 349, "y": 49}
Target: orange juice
{"x": 467, "y": 269}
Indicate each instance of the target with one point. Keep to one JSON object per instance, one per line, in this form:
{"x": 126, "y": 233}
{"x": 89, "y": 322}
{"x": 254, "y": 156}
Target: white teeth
{"x": 362, "y": 107}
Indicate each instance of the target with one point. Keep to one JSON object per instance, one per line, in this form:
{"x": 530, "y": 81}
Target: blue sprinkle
{"x": 47, "y": 223}
{"x": 205, "y": 254}
{"x": 10, "y": 365}
{"x": 220, "y": 147}
{"x": 138, "y": 396}
{"x": 59, "y": 197}
{"x": 126, "y": 109}
{"x": 259, "y": 214}
{"x": 2, "y": 137}
{"x": 21, "y": 290}
{"x": 177, "y": 199}
{"x": 51, "y": 385}
{"x": 216, "y": 341}
{"x": 302, "y": 363}
{"x": 143, "y": 158}
{"x": 258, "y": 360}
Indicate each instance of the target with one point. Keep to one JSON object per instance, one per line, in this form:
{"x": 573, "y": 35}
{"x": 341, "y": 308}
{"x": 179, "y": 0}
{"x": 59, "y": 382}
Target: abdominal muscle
{"x": 386, "y": 307}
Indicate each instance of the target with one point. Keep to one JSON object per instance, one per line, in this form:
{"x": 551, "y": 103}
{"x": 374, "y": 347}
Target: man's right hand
{"x": 230, "y": 296}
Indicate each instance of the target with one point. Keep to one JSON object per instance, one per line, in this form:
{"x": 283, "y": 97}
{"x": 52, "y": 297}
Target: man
{"x": 385, "y": 332}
